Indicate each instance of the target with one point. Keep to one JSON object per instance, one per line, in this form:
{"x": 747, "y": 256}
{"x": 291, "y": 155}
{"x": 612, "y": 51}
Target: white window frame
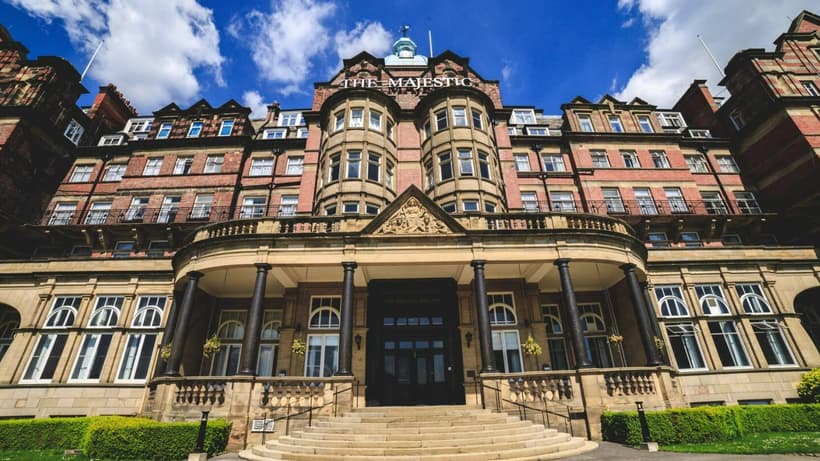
{"x": 356, "y": 117}
{"x": 81, "y": 173}
{"x": 585, "y": 123}
{"x": 563, "y": 201}
{"x": 752, "y": 299}
{"x": 169, "y": 209}
{"x": 645, "y": 201}
{"x": 203, "y": 204}
{"x": 529, "y": 201}
{"x": 183, "y": 164}
{"x": 295, "y": 165}
{"x": 98, "y": 213}
{"x": 288, "y": 204}
{"x": 671, "y": 302}
{"x": 195, "y": 129}
{"x": 289, "y": 119}
{"x": 596, "y": 156}
{"x": 645, "y": 123}
{"x": 153, "y": 165}
{"x": 374, "y": 120}
{"x": 62, "y": 214}
{"x": 460, "y": 116}
{"x": 615, "y": 123}
{"x": 614, "y": 202}
{"x": 727, "y": 164}
{"x": 733, "y": 342}
{"x": 711, "y": 299}
{"x": 87, "y": 355}
{"x": 275, "y": 133}
{"x": 769, "y": 327}
{"x": 553, "y": 162}
{"x": 523, "y": 117}
{"x": 696, "y": 163}
{"x": 164, "y": 130}
{"x": 630, "y": 159}
{"x": 690, "y": 330}
{"x": 323, "y": 338}
{"x": 39, "y": 362}
{"x": 522, "y": 163}
{"x": 499, "y": 343}
{"x": 136, "y": 210}
{"x": 253, "y": 207}
{"x": 261, "y": 166}
{"x": 213, "y": 163}
{"x": 659, "y": 159}
{"x": 228, "y": 125}
{"x": 115, "y": 172}
{"x": 74, "y": 131}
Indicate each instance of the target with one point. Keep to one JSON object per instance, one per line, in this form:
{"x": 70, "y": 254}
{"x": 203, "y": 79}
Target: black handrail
{"x": 522, "y": 408}
{"x": 287, "y": 417}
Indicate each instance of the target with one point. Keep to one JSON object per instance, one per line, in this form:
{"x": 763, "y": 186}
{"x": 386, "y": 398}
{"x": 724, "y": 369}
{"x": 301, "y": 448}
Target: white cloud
{"x": 675, "y": 57}
{"x": 151, "y": 48}
{"x": 370, "y": 37}
{"x": 285, "y": 41}
{"x": 506, "y": 73}
{"x": 254, "y": 100}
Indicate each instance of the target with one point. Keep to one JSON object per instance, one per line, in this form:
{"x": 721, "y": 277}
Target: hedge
{"x": 138, "y": 438}
{"x": 113, "y": 437}
{"x": 42, "y": 434}
{"x": 709, "y": 424}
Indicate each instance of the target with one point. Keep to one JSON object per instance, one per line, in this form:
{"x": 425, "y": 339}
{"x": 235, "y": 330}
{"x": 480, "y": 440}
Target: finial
{"x": 404, "y": 30}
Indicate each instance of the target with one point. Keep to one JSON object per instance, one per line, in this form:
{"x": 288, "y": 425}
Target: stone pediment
{"x": 413, "y": 214}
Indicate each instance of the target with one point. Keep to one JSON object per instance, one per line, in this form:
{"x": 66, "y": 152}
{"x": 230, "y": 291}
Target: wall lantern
{"x": 358, "y": 340}
{"x": 469, "y": 338}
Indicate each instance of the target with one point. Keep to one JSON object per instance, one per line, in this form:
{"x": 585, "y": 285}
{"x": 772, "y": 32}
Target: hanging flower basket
{"x": 616, "y": 339}
{"x": 165, "y": 352}
{"x": 298, "y": 347}
{"x": 659, "y": 344}
{"x": 531, "y": 347}
{"x": 211, "y": 346}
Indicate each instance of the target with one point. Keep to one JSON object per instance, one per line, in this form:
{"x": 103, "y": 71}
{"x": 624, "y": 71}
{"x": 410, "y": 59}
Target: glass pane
{"x": 421, "y": 370}
{"x": 438, "y": 367}
{"x": 144, "y": 359}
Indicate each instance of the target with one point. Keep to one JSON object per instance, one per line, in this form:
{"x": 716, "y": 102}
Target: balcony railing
{"x": 163, "y": 215}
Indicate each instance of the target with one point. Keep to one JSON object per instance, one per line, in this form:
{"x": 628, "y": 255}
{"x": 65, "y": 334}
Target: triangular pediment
{"x": 413, "y": 214}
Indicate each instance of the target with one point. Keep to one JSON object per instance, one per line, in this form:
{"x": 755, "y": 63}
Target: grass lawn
{"x": 38, "y": 455}
{"x": 764, "y": 443}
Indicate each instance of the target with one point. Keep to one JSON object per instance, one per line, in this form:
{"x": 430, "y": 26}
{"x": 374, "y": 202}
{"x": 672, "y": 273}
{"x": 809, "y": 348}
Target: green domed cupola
{"x": 404, "y": 52}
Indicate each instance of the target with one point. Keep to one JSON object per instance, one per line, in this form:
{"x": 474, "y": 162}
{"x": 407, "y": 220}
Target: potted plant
{"x": 659, "y": 344}
{"x": 531, "y": 347}
{"x": 616, "y": 339}
{"x": 211, "y": 346}
{"x": 298, "y": 347}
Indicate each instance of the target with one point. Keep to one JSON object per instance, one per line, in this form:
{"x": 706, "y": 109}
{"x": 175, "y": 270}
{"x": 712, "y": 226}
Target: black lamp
{"x": 358, "y": 339}
{"x": 469, "y": 338}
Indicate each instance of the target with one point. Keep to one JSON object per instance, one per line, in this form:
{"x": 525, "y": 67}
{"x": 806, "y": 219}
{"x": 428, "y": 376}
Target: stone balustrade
{"x": 630, "y": 382}
{"x": 200, "y": 392}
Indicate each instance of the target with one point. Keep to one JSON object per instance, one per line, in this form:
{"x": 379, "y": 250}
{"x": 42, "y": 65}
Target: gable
{"x": 413, "y": 214}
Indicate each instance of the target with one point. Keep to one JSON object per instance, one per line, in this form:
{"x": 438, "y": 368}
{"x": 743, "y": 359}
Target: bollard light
{"x": 200, "y": 437}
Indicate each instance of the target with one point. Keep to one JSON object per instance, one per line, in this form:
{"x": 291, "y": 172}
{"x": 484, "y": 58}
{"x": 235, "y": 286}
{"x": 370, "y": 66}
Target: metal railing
{"x": 164, "y": 215}
{"x": 522, "y": 408}
{"x": 309, "y": 411}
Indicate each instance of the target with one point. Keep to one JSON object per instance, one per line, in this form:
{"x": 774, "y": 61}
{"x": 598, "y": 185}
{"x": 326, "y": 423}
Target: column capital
{"x": 196, "y": 275}
{"x": 628, "y": 267}
{"x": 478, "y": 263}
{"x": 562, "y": 262}
{"x": 349, "y": 265}
{"x": 262, "y": 267}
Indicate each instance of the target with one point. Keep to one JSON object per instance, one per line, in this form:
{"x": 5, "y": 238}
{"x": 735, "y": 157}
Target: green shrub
{"x": 622, "y": 427}
{"x": 139, "y": 438}
{"x": 778, "y": 418}
{"x": 709, "y": 424}
{"x": 809, "y": 387}
{"x": 41, "y": 434}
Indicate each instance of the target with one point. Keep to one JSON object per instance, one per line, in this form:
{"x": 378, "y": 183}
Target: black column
{"x": 346, "y": 333}
{"x": 573, "y": 319}
{"x": 250, "y": 344}
{"x": 642, "y": 316}
{"x": 485, "y": 339}
{"x": 181, "y": 331}
{"x": 167, "y": 334}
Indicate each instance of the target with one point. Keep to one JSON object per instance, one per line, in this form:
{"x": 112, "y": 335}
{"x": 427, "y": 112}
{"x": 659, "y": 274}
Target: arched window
{"x": 9, "y": 322}
{"x": 106, "y": 312}
{"x": 555, "y": 337}
{"x": 595, "y": 335}
{"x": 63, "y": 312}
{"x": 670, "y": 300}
{"x": 711, "y": 300}
{"x": 501, "y": 309}
{"x": 324, "y": 312}
{"x": 751, "y": 296}
{"x": 230, "y": 331}
{"x": 149, "y": 312}
{"x": 269, "y": 343}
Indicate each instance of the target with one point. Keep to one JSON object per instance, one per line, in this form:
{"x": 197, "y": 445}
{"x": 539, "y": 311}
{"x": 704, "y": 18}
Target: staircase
{"x": 437, "y": 433}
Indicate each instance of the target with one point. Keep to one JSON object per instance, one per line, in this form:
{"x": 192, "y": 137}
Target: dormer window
{"x": 523, "y": 117}
{"x": 585, "y": 122}
{"x": 195, "y": 129}
{"x": 615, "y": 124}
{"x": 290, "y": 118}
{"x": 671, "y": 121}
{"x": 110, "y": 140}
{"x": 164, "y": 130}
{"x": 275, "y": 133}
{"x": 226, "y": 128}
{"x": 74, "y": 131}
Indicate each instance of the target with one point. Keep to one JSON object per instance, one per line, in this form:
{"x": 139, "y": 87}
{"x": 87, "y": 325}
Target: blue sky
{"x": 543, "y": 52}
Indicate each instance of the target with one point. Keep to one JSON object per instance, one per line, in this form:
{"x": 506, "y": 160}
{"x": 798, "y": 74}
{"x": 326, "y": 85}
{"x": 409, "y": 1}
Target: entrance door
{"x": 414, "y": 356}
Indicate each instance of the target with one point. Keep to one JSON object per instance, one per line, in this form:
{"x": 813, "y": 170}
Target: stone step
{"x": 387, "y": 450}
{"x": 376, "y": 428}
{"x": 468, "y": 439}
{"x": 574, "y": 445}
{"x": 445, "y": 433}
{"x": 501, "y": 431}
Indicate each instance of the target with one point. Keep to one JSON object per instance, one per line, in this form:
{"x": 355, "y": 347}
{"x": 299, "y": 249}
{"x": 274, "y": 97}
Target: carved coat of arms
{"x": 413, "y": 218}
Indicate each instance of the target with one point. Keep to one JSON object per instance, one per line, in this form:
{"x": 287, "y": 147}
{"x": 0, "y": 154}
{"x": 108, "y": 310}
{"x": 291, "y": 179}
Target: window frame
{"x": 81, "y": 173}
{"x": 164, "y": 130}
{"x": 662, "y": 298}
{"x": 521, "y": 160}
{"x": 213, "y": 164}
{"x": 295, "y": 165}
{"x": 615, "y": 123}
{"x": 226, "y": 124}
{"x": 585, "y": 123}
{"x": 114, "y": 172}
{"x": 195, "y": 129}
{"x": 260, "y": 166}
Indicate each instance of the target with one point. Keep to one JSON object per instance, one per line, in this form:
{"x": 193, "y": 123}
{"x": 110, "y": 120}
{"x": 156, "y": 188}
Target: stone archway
{"x": 9, "y": 323}
{"x": 807, "y": 304}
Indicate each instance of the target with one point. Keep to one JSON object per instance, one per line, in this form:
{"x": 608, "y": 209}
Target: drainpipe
{"x": 276, "y": 153}
{"x": 733, "y": 208}
{"x": 543, "y": 175}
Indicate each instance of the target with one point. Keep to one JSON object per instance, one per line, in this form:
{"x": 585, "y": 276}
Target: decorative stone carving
{"x": 413, "y": 218}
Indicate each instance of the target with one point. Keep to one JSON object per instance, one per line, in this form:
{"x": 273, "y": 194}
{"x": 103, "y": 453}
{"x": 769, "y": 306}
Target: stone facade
{"x": 398, "y": 243}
